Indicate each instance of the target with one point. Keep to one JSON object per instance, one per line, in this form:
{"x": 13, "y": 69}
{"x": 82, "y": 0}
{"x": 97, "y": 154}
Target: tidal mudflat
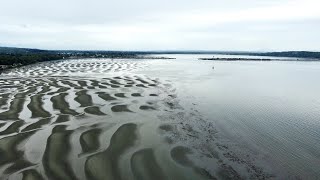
{"x": 90, "y": 119}
{"x": 134, "y": 119}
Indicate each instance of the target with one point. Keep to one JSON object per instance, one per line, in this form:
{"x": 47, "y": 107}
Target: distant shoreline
{"x": 291, "y": 54}
{"x": 16, "y": 57}
{"x": 256, "y": 59}
{"x": 234, "y": 59}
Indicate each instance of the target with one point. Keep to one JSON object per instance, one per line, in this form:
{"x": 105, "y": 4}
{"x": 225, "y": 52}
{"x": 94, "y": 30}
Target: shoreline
{"x": 255, "y": 59}
{"x": 234, "y": 59}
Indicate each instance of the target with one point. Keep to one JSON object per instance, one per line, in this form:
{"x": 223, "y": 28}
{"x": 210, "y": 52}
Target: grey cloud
{"x": 165, "y": 24}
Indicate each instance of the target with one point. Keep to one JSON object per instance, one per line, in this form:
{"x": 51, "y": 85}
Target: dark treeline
{"x": 297, "y": 54}
{"x": 13, "y": 57}
{"x": 29, "y": 58}
{"x": 292, "y": 54}
{"x": 16, "y": 59}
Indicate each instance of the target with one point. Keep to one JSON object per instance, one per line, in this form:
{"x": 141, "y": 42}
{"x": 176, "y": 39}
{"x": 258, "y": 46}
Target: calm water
{"x": 270, "y": 108}
{"x": 160, "y": 119}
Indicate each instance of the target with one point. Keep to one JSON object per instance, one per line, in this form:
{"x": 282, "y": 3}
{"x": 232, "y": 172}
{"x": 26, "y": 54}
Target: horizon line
{"x": 209, "y": 51}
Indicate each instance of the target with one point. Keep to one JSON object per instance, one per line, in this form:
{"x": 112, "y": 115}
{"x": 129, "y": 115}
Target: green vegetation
{"x": 13, "y": 57}
{"x": 297, "y": 54}
{"x": 29, "y": 58}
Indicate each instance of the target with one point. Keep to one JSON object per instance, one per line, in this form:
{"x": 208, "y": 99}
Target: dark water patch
{"x": 31, "y": 174}
{"x": 70, "y": 84}
{"x": 145, "y": 166}
{"x": 9, "y": 86}
{"x": 4, "y": 98}
{"x": 95, "y": 83}
{"x": 106, "y": 96}
{"x": 115, "y": 82}
{"x": 45, "y": 89}
{"x": 204, "y": 174}
{"x": 2, "y": 124}
{"x": 83, "y": 98}
{"x": 102, "y": 87}
{"x": 136, "y": 94}
{"x": 37, "y": 125}
{"x": 107, "y": 84}
{"x": 147, "y": 108}
{"x": 35, "y": 106}
{"x": 179, "y": 154}
{"x": 82, "y": 83}
{"x": 122, "y": 95}
{"x": 31, "y": 89}
{"x": 227, "y": 172}
{"x": 154, "y": 95}
{"x": 105, "y": 165}
{"x": 55, "y": 159}
{"x": 142, "y": 81}
{"x": 130, "y": 82}
{"x": 13, "y": 128}
{"x": 5, "y": 95}
{"x": 166, "y": 127}
{"x": 89, "y": 140}
{"x": 18, "y": 165}
{"x": 3, "y": 101}
{"x": 141, "y": 85}
{"x": 60, "y": 90}
{"x": 60, "y": 103}
{"x": 94, "y": 110}
{"x": 168, "y": 140}
{"x": 62, "y": 118}
{"x": 15, "y": 108}
{"x": 22, "y": 95}
{"x": 115, "y": 86}
{"x": 172, "y": 105}
{"x": 128, "y": 86}
{"x": 120, "y": 108}
{"x": 9, "y": 151}
{"x": 53, "y": 83}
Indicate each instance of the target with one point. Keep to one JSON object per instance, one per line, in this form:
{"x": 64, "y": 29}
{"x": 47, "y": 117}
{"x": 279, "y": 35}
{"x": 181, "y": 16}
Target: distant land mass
{"x": 12, "y": 56}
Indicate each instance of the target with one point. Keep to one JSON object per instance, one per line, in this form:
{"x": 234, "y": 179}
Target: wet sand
{"x": 59, "y": 121}
{"x": 108, "y": 119}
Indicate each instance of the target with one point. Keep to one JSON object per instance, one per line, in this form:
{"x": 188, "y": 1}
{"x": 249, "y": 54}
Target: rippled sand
{"x": 98, "y": 119}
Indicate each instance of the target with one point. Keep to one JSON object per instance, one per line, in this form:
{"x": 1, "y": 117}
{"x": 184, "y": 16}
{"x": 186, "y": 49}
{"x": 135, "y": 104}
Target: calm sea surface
{"x": 272, "y": 108}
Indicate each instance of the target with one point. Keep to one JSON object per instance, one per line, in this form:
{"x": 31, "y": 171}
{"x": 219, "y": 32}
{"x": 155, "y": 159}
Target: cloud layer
{"x": 161, "y": 25}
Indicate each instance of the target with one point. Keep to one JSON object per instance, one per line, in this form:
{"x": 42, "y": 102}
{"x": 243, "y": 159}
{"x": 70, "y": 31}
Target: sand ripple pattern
{"x": 81, "y": 119}
{"x": 54, "y": 125}
{"x": 76, "y": 67}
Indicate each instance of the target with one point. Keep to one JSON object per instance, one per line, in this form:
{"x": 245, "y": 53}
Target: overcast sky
{"x": 269, "y": 25}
